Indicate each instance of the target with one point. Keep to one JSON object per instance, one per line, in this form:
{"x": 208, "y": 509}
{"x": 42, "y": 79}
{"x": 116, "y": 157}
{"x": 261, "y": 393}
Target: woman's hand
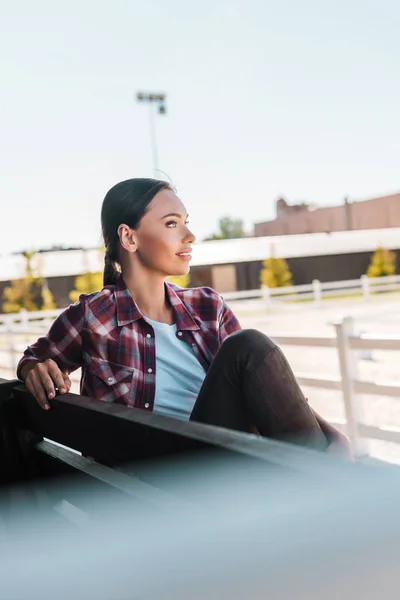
{"x": 43, "y": 379}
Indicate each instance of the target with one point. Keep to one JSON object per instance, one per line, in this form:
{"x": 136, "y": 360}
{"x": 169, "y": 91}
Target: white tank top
{"x": 179, "y": 375}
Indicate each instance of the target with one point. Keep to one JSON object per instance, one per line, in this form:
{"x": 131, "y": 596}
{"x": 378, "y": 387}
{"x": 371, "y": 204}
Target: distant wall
{"x": 378, "y": 213}
{"x": 247, "y": 274}
{"x": 304, "y": 269}
{"x": 331, "y": 267}
{"x": 201, "y": 276}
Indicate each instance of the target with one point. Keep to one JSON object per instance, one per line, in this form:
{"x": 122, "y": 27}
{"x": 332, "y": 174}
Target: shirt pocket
{"x": 111, "y": 382}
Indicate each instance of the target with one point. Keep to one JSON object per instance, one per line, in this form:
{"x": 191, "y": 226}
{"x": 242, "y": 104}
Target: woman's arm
{"x": 46, "y": 363}
{"x": 62, "y": 343}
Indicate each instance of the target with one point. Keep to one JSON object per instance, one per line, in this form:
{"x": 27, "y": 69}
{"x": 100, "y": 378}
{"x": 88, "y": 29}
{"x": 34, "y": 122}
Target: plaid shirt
{"x": 106, "y": 334}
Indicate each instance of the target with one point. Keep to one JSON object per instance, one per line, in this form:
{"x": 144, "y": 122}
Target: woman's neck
{"x": 148, "y": 292}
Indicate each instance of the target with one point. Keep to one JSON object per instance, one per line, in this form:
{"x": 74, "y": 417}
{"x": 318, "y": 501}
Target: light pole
{"x": 159, "y": 101}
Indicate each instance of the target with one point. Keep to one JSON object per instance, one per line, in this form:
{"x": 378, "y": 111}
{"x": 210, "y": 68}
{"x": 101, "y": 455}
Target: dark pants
{"x": 250, "y": 385}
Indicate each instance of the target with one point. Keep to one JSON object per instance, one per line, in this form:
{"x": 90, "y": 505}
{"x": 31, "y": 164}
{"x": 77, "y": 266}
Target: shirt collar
{"x": 128, "y": 311}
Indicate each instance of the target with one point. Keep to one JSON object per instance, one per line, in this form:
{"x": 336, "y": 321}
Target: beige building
{"x": 377, "y": 213}
{"x": 231, "y": 264}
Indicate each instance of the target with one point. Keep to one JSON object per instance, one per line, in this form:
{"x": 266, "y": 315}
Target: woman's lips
{"x": 184, "y": 255}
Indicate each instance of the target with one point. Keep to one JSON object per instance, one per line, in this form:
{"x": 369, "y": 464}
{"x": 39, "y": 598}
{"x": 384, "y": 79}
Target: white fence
{"x": 316, "y": 290}
{"x": 17, "y": 330}
{"x": 348, "y": 346}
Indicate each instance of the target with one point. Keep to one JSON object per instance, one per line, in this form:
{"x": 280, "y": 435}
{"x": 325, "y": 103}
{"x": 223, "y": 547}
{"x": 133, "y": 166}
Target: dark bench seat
{"x": 137, "y": 453}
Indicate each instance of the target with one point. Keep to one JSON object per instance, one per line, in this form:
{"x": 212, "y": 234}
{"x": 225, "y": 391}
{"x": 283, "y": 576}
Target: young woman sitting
{"x": 150, "y": 345}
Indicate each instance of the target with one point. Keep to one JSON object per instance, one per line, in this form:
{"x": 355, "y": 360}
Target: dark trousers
{"x": 250, "y": 384}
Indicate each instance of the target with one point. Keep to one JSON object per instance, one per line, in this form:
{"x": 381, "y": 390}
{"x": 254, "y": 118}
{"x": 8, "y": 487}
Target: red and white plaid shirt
{"x": 106, "y": 334}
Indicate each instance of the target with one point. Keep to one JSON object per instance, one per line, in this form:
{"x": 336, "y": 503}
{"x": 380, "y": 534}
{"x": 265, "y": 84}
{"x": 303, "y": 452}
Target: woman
{"x": 148, "y": 344}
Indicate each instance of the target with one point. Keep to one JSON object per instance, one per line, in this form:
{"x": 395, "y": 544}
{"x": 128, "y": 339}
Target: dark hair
{"x": 126, "y": 202}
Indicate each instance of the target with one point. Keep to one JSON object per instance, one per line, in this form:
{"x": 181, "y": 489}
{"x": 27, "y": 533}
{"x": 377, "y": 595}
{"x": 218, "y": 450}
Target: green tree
{"x": 275, "y": 272}
{"x": 31, "y": 292}
{"x": 18, "y": 295}
{"x": 180, "y": 280}
{"x": 85, "y": 284}
{"x": 229, "y": 228}
{"x": 383, "y": 263}
{"x": 47, "y": 297}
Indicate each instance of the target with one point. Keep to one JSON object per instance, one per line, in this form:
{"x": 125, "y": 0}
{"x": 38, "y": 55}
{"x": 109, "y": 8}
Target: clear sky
{"x": 264, "y": 98}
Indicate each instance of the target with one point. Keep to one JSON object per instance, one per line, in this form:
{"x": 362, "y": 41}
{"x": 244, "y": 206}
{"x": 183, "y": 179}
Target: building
{"x": 230, "y": 265}
{"x": 377, "y": 213}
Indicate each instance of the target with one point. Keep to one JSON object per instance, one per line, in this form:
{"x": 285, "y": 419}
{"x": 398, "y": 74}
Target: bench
{"x": 135, "y": 451}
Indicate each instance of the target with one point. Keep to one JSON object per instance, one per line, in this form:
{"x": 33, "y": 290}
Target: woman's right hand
{"x": 43, "y": 379}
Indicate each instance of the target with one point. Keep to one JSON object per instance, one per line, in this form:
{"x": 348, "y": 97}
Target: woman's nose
{"x": 190, "y": 236}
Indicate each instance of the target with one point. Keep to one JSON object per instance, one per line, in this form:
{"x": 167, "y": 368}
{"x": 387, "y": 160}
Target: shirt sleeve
{"x": 63, "y": 342}
{"x": 228, "y": 323}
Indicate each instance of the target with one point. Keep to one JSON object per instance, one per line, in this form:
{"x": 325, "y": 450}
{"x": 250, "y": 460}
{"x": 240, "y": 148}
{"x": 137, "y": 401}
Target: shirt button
{"x": 180, "y": 333}
{"x": 149, "y": 370}
{"x": 148, "y": 335}
{"x": 110, "y": 379}
{"x": 147, "y": 405}
{"x": 193, "y": 345}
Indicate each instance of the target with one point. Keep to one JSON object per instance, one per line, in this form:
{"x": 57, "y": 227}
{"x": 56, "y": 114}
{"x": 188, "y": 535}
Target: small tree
{"x": 275, "y": 272}
{"x": 383, "y": 263}
{"x": 180, "y": 280}
{"x": 30, "y": 292}
{"x": 229, "y": 228}
{"x": 48, "y": 302}
{"x": 18, "y": 295}
{"x": 85, "y": 284}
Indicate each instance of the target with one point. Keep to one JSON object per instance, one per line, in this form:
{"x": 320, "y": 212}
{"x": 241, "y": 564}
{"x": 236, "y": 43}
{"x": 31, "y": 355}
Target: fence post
{"x": 11, "y": 346}
{"x": 23, "y": 313}
{"x": 266, "y": 294}
{"x": 317, "y": 290}
{"x": 365, "y": 286}
{"x": 349, "y": 373}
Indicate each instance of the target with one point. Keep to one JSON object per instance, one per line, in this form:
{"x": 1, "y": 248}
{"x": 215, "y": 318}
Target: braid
{"x": 110, "y": 275}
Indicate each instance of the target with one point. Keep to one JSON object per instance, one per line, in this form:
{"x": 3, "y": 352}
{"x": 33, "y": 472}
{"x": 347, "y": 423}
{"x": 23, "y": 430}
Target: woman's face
{"x": 163, "y": 239}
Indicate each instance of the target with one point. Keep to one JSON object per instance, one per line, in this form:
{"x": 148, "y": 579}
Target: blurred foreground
{"x": 221, "y": 528}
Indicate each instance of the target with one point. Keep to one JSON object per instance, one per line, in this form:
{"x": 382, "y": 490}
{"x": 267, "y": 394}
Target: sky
{"x": 265, "y": 99}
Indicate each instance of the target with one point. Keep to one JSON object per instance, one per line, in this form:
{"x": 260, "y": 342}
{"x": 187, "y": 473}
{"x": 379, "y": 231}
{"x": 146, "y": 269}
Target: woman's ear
{"x": 127, "y": 238}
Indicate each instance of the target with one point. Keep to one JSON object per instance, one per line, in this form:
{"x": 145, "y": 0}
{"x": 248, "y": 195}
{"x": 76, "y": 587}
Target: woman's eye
{"x": 174, "y": 223}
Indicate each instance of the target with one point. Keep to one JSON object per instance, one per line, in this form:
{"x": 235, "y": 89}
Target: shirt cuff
{"x": 22, "y": 363}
